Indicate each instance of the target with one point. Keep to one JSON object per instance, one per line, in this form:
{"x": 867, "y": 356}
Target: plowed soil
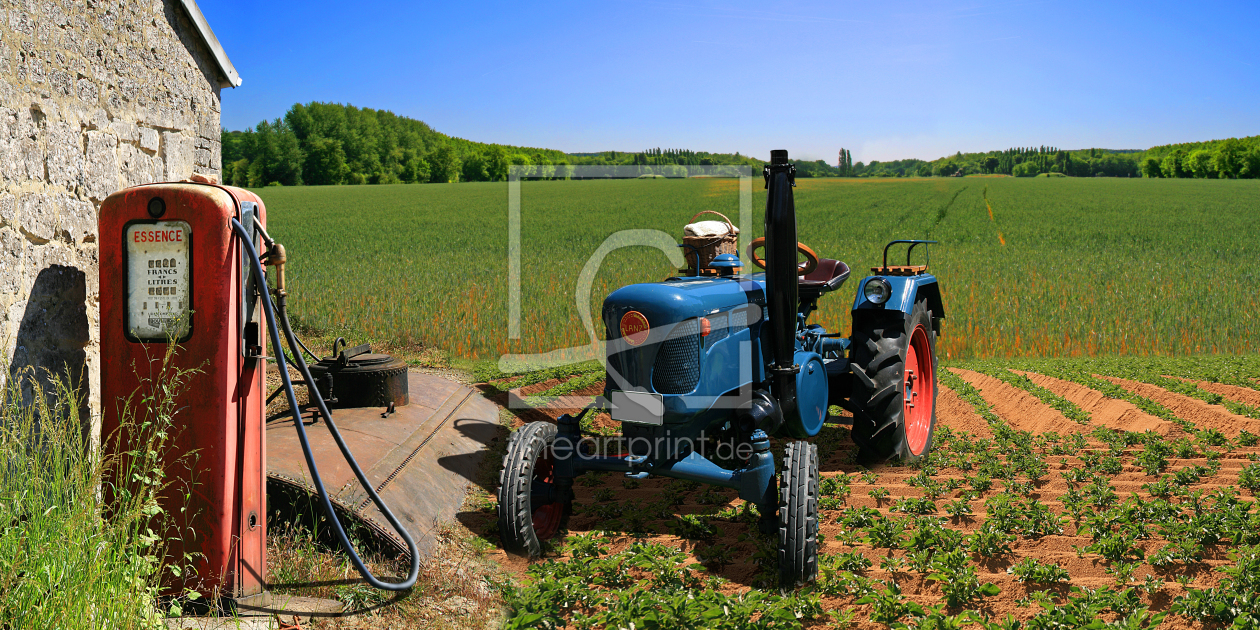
{"x": 1107, "y": 412}
{"x": 1244, "y": 395}
{"x": 1019, "y": 408}
{"x": 624, "y": 507}
{"x": 1202, "y": 414}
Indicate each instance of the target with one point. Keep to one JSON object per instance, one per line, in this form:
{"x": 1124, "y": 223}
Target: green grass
{"x": 1065, "y": 267}
{"x": 67, "y": 560}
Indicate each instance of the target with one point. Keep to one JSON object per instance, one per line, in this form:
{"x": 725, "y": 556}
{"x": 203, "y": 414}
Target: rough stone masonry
{"x": 95, "y": 96}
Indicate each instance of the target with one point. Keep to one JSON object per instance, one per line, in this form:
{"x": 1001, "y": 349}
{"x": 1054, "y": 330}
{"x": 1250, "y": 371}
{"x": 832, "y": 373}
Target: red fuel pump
{"x": 180, "y": 264}
{"x": 172, "y": 269}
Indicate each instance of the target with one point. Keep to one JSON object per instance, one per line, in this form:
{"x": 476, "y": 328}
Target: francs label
{"x": 157, "y": 280}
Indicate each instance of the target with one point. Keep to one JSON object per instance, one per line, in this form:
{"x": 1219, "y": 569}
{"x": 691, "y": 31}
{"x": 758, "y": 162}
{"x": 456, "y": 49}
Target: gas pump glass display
{"x": 158, "y": 278}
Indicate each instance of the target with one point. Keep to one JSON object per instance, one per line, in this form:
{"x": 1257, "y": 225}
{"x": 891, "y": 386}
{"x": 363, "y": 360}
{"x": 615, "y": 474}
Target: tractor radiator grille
{"x": 718, "y": 330}
{"x": 739, "y": 319}
{"x": 677, "y": 367}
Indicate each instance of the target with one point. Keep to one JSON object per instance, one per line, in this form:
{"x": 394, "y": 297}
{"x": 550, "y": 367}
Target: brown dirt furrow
{"x": 1244, "y": 395}
{"x": 1103, "y": 411}
{"x": 536, "y": 388}
{"x": 1018, "y": 408}
{"x": 1202, "y": 414}
{"x": 959, "y": 415}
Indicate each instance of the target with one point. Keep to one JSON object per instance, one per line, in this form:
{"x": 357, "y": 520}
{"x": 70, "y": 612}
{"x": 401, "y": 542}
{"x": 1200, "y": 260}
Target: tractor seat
{"x": 828, "y": 276}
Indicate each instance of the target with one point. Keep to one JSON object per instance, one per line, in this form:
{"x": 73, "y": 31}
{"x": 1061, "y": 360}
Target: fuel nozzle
{"x": 276, "y": 257}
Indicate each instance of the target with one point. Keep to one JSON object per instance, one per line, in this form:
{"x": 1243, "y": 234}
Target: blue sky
{"x": 887, "y": 80}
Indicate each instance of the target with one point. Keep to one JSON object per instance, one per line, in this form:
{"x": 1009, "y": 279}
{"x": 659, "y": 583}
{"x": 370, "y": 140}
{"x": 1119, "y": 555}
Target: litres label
{"x": 634, "y": 328}
{"x": 157, "y": 280}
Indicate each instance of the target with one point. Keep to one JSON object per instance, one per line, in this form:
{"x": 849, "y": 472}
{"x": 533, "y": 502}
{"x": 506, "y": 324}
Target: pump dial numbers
{"x": 157, "y": 280}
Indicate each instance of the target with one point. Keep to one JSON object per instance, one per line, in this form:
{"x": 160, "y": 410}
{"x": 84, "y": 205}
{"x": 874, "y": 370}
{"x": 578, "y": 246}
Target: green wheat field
{"x": 1029, "y": 267}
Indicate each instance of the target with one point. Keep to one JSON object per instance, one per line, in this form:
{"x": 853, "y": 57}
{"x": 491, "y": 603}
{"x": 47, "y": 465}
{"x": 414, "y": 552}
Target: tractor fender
{"x": 906, "y": 290}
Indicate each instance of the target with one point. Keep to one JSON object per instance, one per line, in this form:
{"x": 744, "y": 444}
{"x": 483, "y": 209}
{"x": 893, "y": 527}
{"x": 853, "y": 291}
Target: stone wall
{"x": 94, "y": 97}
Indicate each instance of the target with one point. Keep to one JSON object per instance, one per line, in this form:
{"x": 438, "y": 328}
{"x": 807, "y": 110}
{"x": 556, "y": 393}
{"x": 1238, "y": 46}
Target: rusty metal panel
{"x": 420, "y": 458}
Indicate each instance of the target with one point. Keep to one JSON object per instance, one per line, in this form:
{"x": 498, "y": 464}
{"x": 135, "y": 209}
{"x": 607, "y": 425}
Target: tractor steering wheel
{"x": 802, "y": 269}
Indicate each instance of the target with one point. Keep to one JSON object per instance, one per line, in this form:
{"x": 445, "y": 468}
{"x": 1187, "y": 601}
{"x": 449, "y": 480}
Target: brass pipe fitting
{"x": 277, "y": 257}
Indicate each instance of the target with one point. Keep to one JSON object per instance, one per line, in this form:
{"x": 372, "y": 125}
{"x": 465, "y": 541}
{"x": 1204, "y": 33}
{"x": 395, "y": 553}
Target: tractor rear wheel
{"x": 526, "y": 518}
{"x": 798, "y": 515}
{"x": 898, "y": 354}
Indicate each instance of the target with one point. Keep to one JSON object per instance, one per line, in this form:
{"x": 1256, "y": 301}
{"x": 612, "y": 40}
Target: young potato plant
{"x": 960, "y": 584}
{"x": 958, "y": 509}
{"x": 930, "y": 534}
{"x": 1246, "y": 438}
{"x": 1116, "y": 547}
{"x": 879, "y": 494}
{"x": 914, "y": 505}
{"x": 990, "y": 542}
{"x": 1154, "y": 457}
{"x": 1123, "y": 572}
{"x": 888, "y": 605}
{"x": 859, "y": 517}
{"x": 1103, "y": 464}
{"x": 852, "y": 561}
{"x": 694, "y": 528}
{"x": 834, "y": 487}
{"x": 892, "y": 564}
{"x": 885, "y": 533}
{"x": 1249, "y": 478}
{"x": 1038, "y": 572}
{"x": 1028, "y": 517}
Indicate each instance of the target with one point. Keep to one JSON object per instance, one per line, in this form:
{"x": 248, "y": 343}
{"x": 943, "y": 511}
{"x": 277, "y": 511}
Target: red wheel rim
{"x": 546, "y": 518}
{"x": 917, "y": 394}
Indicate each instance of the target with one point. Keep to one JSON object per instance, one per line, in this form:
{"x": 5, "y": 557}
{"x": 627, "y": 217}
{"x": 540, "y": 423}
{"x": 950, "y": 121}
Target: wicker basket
{"x": 708, "y": 247}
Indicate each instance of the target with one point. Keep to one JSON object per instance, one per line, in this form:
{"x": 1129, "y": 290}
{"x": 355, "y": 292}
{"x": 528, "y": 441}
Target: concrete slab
{"x": 420, "y": 459}
{"x": 276, "y": 611}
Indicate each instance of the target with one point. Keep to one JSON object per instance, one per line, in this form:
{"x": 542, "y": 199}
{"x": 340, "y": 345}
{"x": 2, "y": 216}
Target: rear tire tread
{"x": 880, "y": 349}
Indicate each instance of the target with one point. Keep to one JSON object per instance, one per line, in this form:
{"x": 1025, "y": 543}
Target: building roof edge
{"x": 230, "y": 77}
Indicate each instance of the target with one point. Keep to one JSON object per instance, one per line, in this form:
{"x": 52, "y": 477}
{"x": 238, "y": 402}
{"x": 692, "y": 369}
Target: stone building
{"x": 95, "y": 96}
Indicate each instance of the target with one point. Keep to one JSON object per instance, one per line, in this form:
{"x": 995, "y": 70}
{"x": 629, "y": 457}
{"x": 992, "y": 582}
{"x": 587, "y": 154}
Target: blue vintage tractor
{"x": 702, "y": 370}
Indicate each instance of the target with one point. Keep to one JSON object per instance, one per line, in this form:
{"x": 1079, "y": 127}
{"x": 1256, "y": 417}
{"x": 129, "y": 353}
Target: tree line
{"x": 1232, "y": 158}
{"x": 331, "y": 143}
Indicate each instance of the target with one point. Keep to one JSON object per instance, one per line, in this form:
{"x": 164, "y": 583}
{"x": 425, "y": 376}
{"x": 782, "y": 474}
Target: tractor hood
{"x": 675, "y": 300}
{"x": 662, "y": 335}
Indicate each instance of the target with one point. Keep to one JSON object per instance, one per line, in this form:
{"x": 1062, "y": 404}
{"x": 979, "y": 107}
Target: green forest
{"x": 1232, "y": 158}
{"x": 332, "y": 143}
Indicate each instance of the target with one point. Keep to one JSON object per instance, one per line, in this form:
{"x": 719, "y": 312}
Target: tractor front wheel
{"x": 798, "y": 515}
{"x": 898, "y": 353}
{"x": 528, "y": 515}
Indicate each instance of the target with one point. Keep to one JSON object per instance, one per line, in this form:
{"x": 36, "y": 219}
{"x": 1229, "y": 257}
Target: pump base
{"x": 258, "y": 611}
{"x": 257, "y": 600}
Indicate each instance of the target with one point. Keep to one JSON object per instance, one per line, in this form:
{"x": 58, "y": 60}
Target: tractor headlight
{"x": 877, "y": 290}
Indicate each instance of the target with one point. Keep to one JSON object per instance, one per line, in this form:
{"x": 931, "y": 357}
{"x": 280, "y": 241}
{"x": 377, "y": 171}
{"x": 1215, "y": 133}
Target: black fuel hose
{"x": 332, "y": 428}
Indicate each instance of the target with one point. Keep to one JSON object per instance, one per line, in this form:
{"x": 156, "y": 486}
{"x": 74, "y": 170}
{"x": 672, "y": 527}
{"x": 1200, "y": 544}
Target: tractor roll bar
{"x": 912, "y": 242}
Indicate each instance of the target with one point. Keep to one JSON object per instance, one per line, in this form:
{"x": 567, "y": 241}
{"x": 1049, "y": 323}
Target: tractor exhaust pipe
{"x": 781, "y": 279}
